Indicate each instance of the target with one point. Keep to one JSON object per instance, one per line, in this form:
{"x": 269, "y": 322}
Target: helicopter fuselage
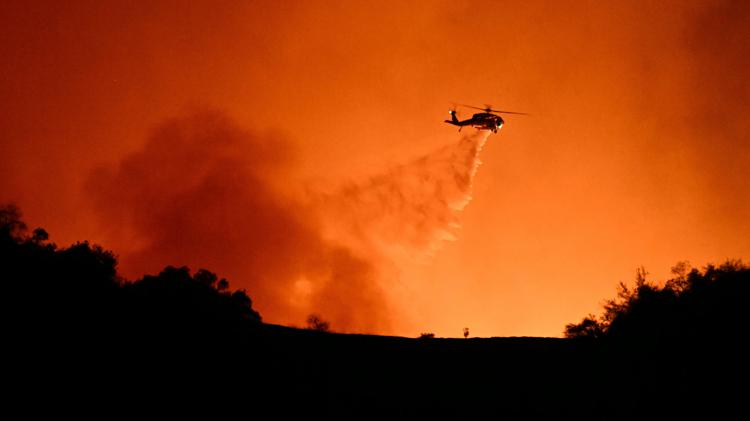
{"x": 482, "y": 121}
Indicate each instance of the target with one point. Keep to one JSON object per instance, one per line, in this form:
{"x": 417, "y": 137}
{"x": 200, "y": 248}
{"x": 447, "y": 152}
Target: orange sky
{"x": 635, "y": 152}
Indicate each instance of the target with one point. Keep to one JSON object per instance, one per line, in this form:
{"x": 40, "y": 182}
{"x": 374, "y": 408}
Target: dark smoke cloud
{"x": 206, "y": 194}
{"x": 719, "y": 52}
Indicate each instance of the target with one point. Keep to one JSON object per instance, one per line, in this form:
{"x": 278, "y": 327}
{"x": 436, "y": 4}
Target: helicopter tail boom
{"x": 454, "y": 119}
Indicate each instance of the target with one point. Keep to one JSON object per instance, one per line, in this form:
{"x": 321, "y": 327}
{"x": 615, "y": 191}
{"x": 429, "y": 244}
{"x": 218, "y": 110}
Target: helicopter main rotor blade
{"x": 490, "y": 110}
{"x": 508, "y": 112}
{"x": 471, "y": 106}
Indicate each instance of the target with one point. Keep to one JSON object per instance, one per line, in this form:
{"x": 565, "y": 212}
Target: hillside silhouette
{"x": 80, "y": 337}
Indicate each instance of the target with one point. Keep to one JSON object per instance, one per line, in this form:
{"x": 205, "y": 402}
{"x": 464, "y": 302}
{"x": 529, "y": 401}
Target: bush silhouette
{"x": 589, "y": 327}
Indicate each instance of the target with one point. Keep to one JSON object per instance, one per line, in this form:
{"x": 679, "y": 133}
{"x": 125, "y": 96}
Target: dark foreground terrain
{"x": 80, "y": 341}
{"x": 271, "y": 369}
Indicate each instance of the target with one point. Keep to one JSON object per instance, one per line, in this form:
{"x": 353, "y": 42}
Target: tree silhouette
{"x": 78, "y": 289}
{"x": 315, "y": 322}
{"x": 693, "y": 304}
{"x": 175, "y": 295}
{"x": 11, "y": 225}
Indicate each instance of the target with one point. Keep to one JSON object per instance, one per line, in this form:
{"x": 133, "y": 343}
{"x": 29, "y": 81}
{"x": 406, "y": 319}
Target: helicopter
{"x": 485, "y": 120}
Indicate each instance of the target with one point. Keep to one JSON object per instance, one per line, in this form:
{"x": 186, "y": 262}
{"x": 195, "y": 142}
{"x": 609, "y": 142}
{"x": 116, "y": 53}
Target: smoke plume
{"x": 411, "y": 209}
{"x": 204, "y": 193}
